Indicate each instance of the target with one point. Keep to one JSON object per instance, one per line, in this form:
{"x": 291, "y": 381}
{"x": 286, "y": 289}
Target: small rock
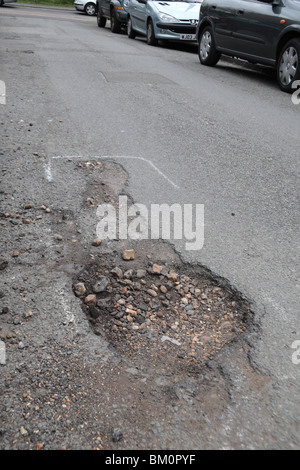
{"x": 91, "y": 299}
{"x": 156, "y": 269}
{"x": 141, "y": 273}
{"x": 117, "y": 435}
{"x": 79, "y": 289}
{"x": 96, "y": 242}
{"x": 15, "y": 254}
{"x": 172, "y": 276}
{"x": 128, "y": 255}
{"x": 152, "y": 292}
{"x": 94, "y": 312}
{"x": 100, "y": 284}
{"x": 128, "y": 274}
{"x": 163, "y": 289}
{"x": 118, "y": 272}
{"x": 23, "y": 431}
{"x": 38, "y": 446}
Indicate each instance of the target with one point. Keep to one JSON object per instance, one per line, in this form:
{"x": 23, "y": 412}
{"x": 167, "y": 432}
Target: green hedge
{"x": 62, "y": 3}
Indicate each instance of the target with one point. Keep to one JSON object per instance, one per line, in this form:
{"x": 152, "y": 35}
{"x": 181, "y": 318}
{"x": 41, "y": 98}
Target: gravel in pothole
{"x": 157, "y": 311}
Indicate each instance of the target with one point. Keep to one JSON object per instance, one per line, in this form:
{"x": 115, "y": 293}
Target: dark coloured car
{"x": 260, "y": 31}
{"x": 113, "y": 10}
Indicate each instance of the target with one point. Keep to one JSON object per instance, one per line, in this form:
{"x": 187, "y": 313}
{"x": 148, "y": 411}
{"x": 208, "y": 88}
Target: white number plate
{"x": 188, "y": 37}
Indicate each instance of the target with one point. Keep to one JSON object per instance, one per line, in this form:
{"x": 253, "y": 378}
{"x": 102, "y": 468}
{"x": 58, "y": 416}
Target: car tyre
{"x": 101, "y": 21}
{"x": 208, "y": 54}
{"x": 90, "y": 9}
{"x": 288, "y": 65}
{"x": 115, "y": 25}
{"x": 151, "y": 39}
{"x": 130, "y": 32}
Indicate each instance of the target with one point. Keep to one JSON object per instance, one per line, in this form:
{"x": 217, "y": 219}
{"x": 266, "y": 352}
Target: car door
{"x": 222, "y": 15}
{"x": 138, "y": 15}
{"x": 256, "y": 28}
{"x": 105, "y": 5}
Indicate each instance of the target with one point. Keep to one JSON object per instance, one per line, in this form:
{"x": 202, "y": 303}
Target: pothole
{"x": 159, "y": 315}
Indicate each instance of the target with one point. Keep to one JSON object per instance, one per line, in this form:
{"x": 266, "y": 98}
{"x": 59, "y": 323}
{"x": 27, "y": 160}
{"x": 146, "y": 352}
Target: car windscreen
{"x": 184, "y": 1}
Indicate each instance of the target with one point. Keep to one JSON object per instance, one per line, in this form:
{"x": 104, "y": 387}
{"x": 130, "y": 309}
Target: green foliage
{"x": 62, "y": 3}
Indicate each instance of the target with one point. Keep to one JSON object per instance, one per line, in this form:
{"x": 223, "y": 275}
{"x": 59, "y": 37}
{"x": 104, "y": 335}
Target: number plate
{"x": 188, "y": 37}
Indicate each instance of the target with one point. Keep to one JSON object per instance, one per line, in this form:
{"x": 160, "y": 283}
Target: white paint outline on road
{"x": 48, "y": 172}
{"x": 112, "y": 157}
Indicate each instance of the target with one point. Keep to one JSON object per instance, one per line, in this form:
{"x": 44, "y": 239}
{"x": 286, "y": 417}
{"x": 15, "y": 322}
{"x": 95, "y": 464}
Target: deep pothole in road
{"x": 159, "y": 314}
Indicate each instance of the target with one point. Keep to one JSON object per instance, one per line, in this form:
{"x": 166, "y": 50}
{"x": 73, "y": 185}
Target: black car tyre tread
{"x": 115, "y": 25}
{"x": 151, "y": 39}
{"x": 101, "y": 21}
{"x": 90, "y": 9}
{"x": 288, "y": 65}
{"x": 208, "y": 54}
{"x": 130, "y": 32}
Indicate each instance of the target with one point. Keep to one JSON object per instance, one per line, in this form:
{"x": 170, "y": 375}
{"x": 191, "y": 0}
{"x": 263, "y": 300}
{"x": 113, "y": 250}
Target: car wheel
{"x": 288, "y": 65}
{"x": 101, "y": 21}
{"x": 130, "y": 31}
{"x": 115, "y": 25}
{"x": 208, "y": 54}
{"x": 151, "y": 39}
{"x": 90, "y": 9}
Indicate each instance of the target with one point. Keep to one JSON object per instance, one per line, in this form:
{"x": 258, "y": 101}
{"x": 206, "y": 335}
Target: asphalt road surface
{"x": 225, "y": 137}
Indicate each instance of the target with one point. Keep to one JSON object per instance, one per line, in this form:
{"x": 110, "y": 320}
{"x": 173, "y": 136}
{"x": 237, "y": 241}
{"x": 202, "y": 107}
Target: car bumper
{"x": 175, "y": 31}
{"x": 79, "y": 6}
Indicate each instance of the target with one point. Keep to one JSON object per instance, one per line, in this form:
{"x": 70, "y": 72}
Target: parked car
{"x": 167, "y": 20}
{"x": 2, "y": 2}
{"x": 113, "y": 10}
{"x": 260, "y": 31}
{"x": 88, "y": 6}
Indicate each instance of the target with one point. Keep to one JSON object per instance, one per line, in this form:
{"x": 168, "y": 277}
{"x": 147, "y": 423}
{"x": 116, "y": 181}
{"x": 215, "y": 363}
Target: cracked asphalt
{"x": 88, "y": 116}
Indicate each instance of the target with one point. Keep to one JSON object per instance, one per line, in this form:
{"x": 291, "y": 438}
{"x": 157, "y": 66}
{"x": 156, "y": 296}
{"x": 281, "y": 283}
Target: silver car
{"x": 172, "y": 20}
{"x": 88, "y": 6}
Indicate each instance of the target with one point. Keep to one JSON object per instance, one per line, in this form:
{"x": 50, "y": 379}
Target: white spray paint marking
{"x": 2, "y": 92}
{"x": 2, "y": 353}
{"x": 117, "y": 157}
{"x": 48, "y": 172}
